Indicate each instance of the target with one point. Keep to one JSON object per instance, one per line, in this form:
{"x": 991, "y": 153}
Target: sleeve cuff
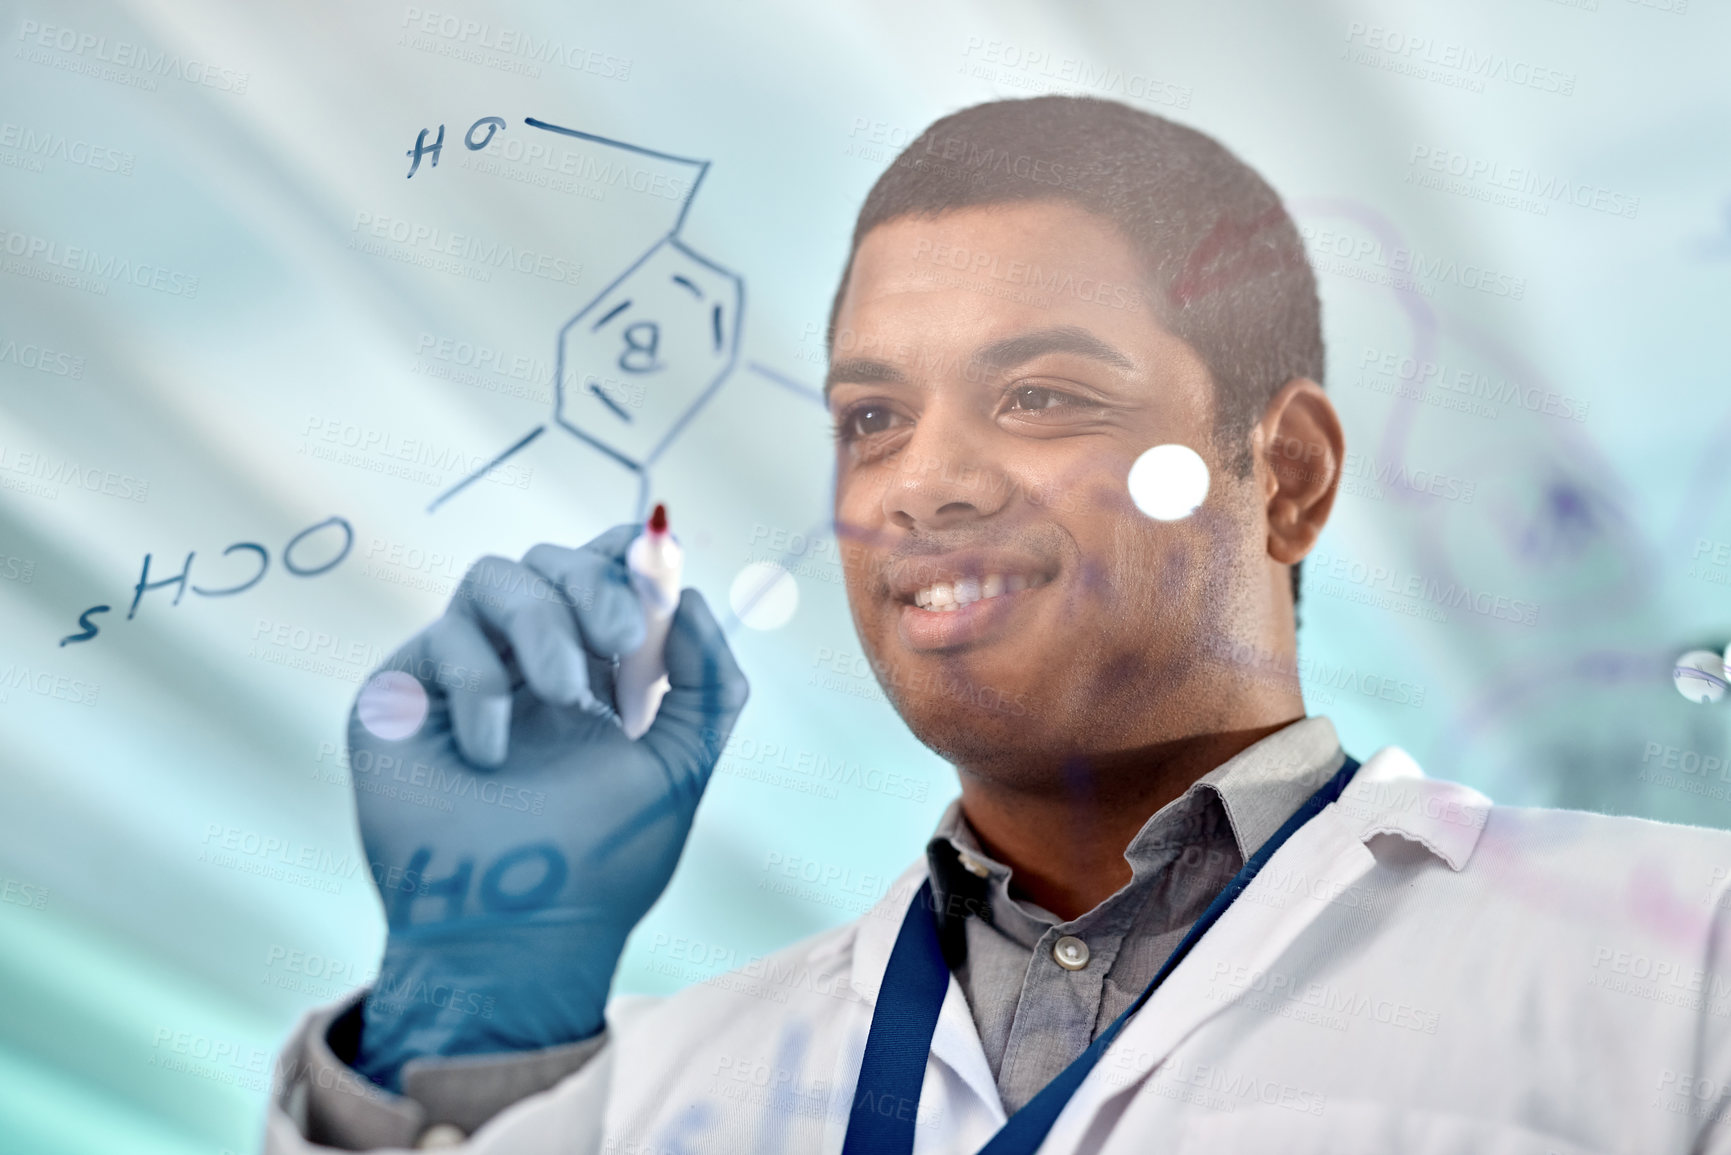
{"x": 344, "y": 1109}
{"x": 467, "y": 1090}
{"x": 341, "y": 1107}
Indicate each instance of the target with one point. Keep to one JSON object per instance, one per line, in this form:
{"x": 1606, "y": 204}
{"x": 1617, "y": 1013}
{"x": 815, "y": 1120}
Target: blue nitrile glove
{"x": 517, "y": 836}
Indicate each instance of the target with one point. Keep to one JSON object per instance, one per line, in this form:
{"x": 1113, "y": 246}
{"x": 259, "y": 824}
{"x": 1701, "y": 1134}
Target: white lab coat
{"x": 1415, "y": 971}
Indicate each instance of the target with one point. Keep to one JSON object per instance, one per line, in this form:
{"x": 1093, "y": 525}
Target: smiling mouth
{"x": 949, "y": 596}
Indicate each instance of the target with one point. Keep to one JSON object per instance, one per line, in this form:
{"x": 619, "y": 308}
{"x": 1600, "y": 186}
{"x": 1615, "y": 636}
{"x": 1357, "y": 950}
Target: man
{"x": 1167, "y": 911}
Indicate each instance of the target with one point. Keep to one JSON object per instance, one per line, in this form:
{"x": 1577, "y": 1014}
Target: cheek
{"x": 859, "y": 517}
{"x": 1086, "y": 484}
{"x": 1146, "y": 576}
{"x": 1124, "y": 573}
{"x": 858, "y": 528}
{"x": 858, "y": 491}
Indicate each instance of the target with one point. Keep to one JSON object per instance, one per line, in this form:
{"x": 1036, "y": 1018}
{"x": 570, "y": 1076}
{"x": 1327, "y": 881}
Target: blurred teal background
{"x": 1532, "y": 196}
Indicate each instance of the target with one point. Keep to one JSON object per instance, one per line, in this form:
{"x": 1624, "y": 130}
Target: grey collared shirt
{"x": 1034, "y": 1013}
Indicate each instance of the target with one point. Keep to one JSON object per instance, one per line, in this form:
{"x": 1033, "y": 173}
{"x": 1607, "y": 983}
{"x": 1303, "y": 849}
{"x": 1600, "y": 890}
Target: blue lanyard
{"x": 887, "y": 1097}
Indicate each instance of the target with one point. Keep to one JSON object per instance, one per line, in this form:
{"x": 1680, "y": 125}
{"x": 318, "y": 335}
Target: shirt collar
{"x": 1259, "y": 788}
{"x": 1265, "y": 784}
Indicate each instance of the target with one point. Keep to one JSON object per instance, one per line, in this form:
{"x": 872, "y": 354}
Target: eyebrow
{"x": 999, "y": 355}
{"x": 1013, "y": 351}
{"x": 861, "y": 371}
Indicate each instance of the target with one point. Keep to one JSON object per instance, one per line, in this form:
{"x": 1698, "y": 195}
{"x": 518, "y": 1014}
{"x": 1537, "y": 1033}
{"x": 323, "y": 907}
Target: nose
{"x": 945, "y": 474}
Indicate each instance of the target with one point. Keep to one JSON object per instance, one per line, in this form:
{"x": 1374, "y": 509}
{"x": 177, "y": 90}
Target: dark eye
{"x": 864, "y": 421}
{"x": 1026, "y": 397}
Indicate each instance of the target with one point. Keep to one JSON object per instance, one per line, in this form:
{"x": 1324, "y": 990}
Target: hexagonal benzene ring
{"x": 638, "y": 362}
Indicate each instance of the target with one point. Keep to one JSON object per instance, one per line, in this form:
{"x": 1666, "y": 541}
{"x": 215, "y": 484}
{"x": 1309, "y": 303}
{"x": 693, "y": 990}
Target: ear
{"x": 1299, "y": 446}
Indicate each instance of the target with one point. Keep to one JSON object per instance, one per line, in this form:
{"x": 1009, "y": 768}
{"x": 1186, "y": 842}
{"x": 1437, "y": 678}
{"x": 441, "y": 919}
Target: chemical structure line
{"x": 690, "y": 195}
{"x": 642, "y": 357}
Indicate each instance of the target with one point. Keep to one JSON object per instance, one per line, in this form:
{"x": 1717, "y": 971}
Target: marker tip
{"x": 658, "y": 520}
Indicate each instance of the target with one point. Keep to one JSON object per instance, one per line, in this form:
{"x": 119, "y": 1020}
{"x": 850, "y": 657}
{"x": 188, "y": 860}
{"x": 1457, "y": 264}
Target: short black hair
{"x": 1226, "y": 269}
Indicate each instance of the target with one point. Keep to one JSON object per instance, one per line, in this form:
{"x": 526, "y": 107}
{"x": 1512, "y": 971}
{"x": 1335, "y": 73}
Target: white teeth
{"x": 943, "y": 597}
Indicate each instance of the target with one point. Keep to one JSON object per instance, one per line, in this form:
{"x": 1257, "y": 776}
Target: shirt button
{"x": 972, "y": 865}
{"x": 441, "y": 1135}
{"x": 1070, "y": 952}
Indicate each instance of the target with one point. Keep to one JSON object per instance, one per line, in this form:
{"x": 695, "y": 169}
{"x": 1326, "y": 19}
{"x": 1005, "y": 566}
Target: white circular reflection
{"x": 392, "y": 706}
{"x": 1700, "y": 676}
{"x": 1169, "y": 482}
{"x": 763, "y": 596}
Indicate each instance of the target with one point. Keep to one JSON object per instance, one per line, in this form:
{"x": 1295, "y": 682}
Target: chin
{"x": 971, "y": 722}
{"x": 985, "y": 714}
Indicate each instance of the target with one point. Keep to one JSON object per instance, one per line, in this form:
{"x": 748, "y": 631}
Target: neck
{"x": 1065, "y": 842}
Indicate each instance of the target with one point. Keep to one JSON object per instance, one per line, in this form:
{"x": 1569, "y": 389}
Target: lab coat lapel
{"x": 1249, "y": 938}
{"x": 956, "y": 1041}
{"x": 1389, "y": 794}
{"x": 875, "y": 933}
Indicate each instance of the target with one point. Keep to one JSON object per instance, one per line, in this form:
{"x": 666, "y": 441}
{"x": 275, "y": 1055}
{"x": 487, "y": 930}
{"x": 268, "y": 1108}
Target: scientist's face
{"x": 994, "y": 374}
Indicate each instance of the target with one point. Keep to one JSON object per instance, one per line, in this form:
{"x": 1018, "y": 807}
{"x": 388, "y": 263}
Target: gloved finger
{"x": 597, "y": 587}
{"x": 602, "y": 673}
{"x": 476, "y": 685}
{"x": 519, "y": 607}
{"x": 706, "y": 693}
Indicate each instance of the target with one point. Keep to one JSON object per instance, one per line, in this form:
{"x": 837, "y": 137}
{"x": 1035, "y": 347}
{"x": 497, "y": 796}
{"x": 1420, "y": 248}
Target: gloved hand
{"x": 517, "y": 835}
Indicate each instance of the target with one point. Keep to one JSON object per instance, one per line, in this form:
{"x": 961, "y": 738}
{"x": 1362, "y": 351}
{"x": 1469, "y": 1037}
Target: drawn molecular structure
{"x": 641, "y": 358}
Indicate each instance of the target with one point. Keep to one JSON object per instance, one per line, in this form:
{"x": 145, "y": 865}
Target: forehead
{"x": 974, "y": 273}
